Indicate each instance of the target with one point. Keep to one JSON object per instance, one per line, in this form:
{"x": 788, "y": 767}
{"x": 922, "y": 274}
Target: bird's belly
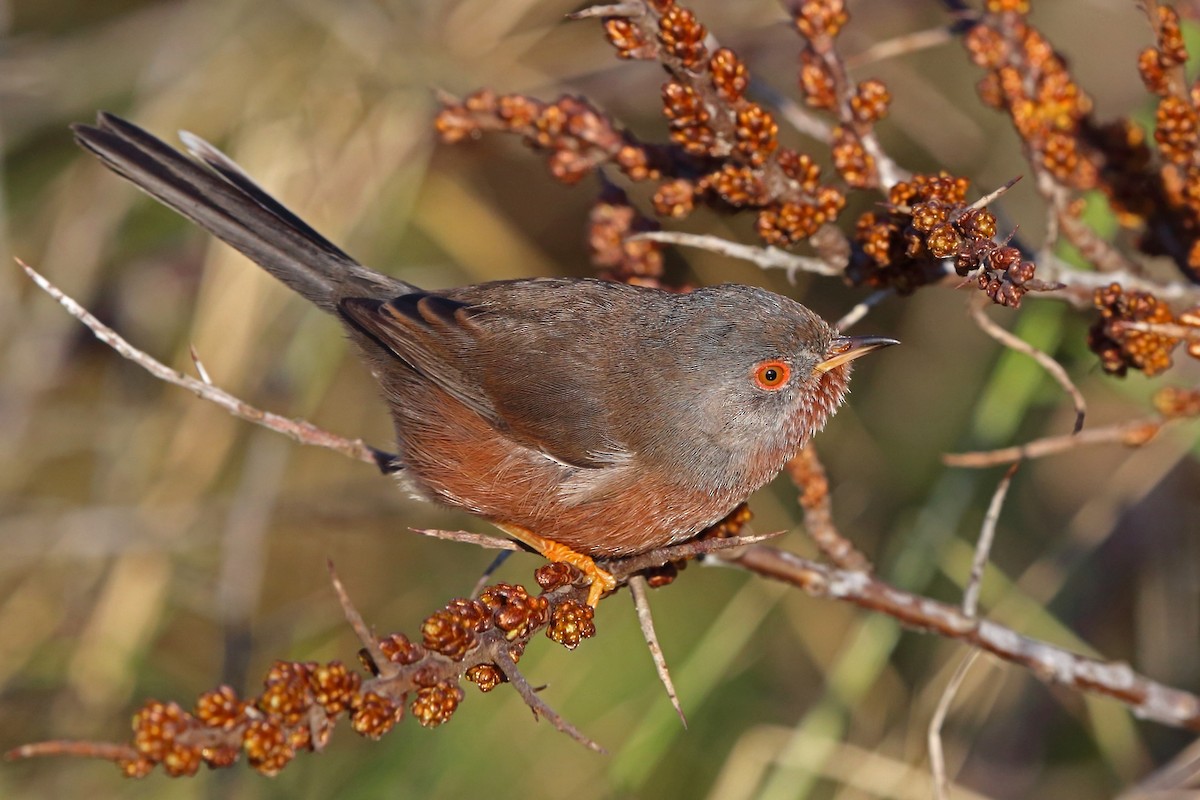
{"x": 456, "y": 458}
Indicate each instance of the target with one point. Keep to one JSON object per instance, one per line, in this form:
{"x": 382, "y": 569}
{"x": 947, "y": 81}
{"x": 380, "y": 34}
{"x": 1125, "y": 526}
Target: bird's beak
{"x": 847, "y": 348}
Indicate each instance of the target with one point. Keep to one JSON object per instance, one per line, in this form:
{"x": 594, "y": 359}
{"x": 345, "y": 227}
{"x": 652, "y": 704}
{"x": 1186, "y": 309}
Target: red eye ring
{"x": 772, "y": 374}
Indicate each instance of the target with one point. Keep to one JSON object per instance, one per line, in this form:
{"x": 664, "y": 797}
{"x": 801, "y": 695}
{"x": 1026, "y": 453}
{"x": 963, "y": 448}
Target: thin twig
{"x": 1096, "y": 249}
{"x": 983, "y": 547}
{"x": 490, "y": 570}
{"x": 764, "y": 257}
{"x": 67, "y": 747}
{"x": 199, "y": 365}
{"x": 937, "y": 758}
{"x": 860, "y": 309}
{"x": 988, "y": 198}
{"x": 537, "y": 705}
{"x": 901, "y": 46}
{"x": 1014, "y": 342}
{"x": 623, "y": 568}
{"x": 467, "y": 537}
{"x": 298, "y": 430}
{"x": 796, "y": 115}
{"x": 1180, "y": 773}
{"x": 641, "y": 602}
{"x": 1171, "y": 329}
{"x": 1131, "y": 434}
{"x": 611, "y": 10}
{"x": 1080, "y": 285}
{"x": 385, "y": 667}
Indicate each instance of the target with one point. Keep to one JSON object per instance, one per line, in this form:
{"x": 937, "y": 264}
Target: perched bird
{"x": 585, "y": 418}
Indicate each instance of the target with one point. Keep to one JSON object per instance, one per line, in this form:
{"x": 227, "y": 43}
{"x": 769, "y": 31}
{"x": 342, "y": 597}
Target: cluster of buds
{"x": 825, "y": 86}
{"x": 1173, "y": 213}
{"x": 1174, "y": 402}
{"x": 294, "y": 712}
{"x": 301, "y": 701}
{"x": 724, "y": 150}
{"x": 577, "y": 137}
{"x": 1029, "y": 81}
{"x": 928, "y": 221}
{"x": 1137, "y": 330}
{"x": 611, "y": 223}
{"x": 738, "y": 161}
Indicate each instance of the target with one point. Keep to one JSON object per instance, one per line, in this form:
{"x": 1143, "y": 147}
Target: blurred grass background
{"x": 150, "y": 545}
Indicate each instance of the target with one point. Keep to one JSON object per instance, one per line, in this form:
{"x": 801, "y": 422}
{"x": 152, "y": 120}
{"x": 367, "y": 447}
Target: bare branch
{"x": 1080, "y": 285}
{"x": 901, "y": 46}
{"x": 536, "y": 704}
{"x": 990, "y": 197}
{"x": 612, "y": 10}
{"x": 860, "y": 309}
{"x": 641, "y": 602}
{"x": 1045, "y": 361}
{"x": 1131, "y": 434}
{"x": 625, "y": 567}
{"x": 937, "y": 759}
{"x": 983, "y": 547}
{"x": 298, "y": 430}
{"x": 386, "y": 668}
{"x": 200, "y": 370}
{"x": 765, "y": 257}
{"x": 467, "y": 537}
{"x": 1146, "y": 698}
{"x": 808, "y": 474}
{"x": 796, "y": 115}
{"x": 66, "y": 747}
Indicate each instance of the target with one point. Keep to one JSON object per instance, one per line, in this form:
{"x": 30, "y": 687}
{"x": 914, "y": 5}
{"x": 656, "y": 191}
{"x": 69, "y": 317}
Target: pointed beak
{"x": 847, "y": 348}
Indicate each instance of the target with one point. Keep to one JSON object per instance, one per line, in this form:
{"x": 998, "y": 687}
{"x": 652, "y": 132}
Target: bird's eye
{"x": 772, "y": 375}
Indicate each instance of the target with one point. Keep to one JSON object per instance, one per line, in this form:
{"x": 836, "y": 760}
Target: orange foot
{"x": 602, "y": 582}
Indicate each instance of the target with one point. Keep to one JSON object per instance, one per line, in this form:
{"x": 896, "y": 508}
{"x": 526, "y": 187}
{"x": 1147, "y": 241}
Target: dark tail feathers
{"x": 218, "y": 196}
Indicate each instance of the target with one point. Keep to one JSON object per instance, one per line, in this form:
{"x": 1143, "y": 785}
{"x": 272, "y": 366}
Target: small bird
{"x": 586, "y": 419}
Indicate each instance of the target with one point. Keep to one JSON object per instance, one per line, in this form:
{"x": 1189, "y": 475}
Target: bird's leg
{"x": 602, "y": 582}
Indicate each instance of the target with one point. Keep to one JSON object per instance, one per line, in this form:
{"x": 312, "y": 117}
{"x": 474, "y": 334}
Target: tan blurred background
{"x": 152, "y": 546}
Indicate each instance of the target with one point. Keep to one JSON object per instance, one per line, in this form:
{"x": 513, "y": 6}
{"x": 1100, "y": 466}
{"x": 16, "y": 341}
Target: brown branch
{"x": 808, "y": 474}
{"x": 983, "y": 547}
{"x": 297, "y": 430}
{"x": 937, "y": 758}
{"x": 1131, "y": 434}
{"x": 764, "y": 257}
{"x": 384, "y": 667}
{"x": 1096, "y": 249}
{"x": 539, "y": 706}
{"x": 105, "y": 751}
{"x": 641, "y": 602}
{"x": 625, "y": 567}
{"x": 904, "y": 45}
{"x": 1146, "y": 698}
{"x": 467, "y": 537}
{"x": 1044, "y": 360}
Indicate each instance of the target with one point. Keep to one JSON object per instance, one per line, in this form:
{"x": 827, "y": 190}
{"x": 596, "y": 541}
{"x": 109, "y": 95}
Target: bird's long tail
{"x": 214, "y": 192}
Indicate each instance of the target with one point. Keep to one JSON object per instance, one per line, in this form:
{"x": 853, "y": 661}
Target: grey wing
{"x": 542, "y": 388}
